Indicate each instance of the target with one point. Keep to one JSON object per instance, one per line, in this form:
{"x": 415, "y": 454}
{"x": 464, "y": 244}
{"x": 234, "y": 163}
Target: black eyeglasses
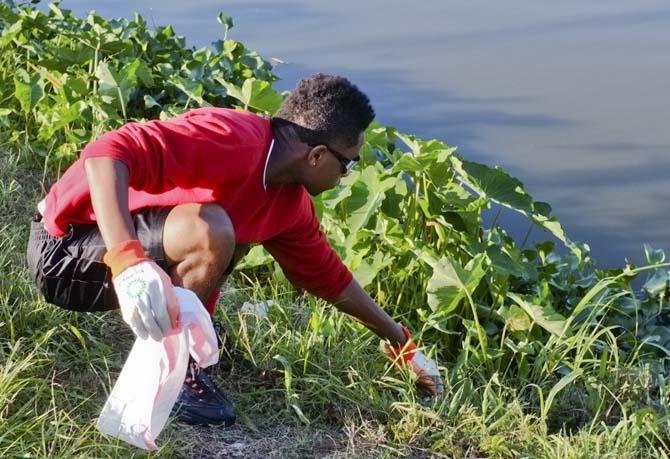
{"x": 346, "y": 163}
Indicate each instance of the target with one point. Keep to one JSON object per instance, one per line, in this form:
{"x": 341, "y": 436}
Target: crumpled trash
{"x": 149, "y": 384}
{"x": 258, "y": 309}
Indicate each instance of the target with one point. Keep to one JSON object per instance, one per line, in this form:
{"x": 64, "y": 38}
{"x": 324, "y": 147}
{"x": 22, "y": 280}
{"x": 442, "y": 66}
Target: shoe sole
{"x": 191, "y": 419}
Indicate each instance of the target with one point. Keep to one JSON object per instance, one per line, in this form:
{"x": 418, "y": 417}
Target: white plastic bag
{"x": 143, "y": 396}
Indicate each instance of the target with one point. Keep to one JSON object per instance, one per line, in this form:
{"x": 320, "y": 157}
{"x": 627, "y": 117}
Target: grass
{"x": 307, "y": 381}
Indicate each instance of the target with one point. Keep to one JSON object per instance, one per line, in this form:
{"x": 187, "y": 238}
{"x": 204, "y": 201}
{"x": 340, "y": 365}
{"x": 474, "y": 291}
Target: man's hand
{"x": 425, "y": 368}
{"x": 145, "y": 292}
{"x": 429, "y": 375}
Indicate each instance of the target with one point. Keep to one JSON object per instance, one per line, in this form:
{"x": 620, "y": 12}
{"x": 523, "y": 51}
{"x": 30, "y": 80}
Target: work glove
{"x": 425, "y": 368}
{"x": 146, "y": 296}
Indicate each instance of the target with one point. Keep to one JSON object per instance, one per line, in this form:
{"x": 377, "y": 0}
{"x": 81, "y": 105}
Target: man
{"x": 174, "y": 203}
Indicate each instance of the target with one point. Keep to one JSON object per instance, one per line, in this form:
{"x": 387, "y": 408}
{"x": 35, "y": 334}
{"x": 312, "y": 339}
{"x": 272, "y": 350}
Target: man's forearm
{"x": 108, "y": 183}
{"x": 355, "y": 302}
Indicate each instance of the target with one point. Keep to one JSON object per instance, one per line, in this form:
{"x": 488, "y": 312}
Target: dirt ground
{"x": 280, "y": 435}
{"x": 239, "y": 441}
{"x": 283, "y": 441}
{"x": 266, "y": 430}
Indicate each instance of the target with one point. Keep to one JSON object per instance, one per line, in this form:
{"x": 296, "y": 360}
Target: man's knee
{"x": 215, "y": 229}
{"x": 202, "y": 230}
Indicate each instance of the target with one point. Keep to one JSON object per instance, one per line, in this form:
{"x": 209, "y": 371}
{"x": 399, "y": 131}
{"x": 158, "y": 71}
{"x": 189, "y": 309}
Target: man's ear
{"x": 315, "y": 154}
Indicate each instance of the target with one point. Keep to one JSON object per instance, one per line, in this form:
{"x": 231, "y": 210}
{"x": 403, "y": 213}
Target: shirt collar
{"x": 267, "y": 160}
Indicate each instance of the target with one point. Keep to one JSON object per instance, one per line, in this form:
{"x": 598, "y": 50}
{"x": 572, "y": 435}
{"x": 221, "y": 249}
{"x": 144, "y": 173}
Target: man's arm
{"x": 154, "y": 310}
{"x": 356, "y": 302}
{"x": 108, "y": 184}
{"x": 309, "y": 262}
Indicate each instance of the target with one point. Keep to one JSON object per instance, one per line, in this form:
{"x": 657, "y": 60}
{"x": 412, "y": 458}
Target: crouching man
{"x": 174, "y": 203}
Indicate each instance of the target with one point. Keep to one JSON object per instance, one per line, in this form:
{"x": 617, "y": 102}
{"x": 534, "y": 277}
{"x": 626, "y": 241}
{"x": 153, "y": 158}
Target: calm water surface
{"x": 570, "y": 97}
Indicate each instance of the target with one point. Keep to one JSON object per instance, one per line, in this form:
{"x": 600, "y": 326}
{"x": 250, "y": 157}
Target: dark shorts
{"x": 69, "y": 270}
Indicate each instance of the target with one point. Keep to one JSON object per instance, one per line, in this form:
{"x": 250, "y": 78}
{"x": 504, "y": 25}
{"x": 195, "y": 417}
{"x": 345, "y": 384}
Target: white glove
{"x": 426, "y": 370}
{"x": 145, "y": 291}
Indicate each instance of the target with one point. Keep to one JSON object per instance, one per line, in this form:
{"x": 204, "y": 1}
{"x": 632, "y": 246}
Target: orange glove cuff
{"x": 407, "y": 350}
{"x": 124, "y": 255}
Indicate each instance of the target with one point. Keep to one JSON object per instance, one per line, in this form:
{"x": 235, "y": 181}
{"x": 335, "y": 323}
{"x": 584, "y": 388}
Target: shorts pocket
{"x": 76, "y": 295}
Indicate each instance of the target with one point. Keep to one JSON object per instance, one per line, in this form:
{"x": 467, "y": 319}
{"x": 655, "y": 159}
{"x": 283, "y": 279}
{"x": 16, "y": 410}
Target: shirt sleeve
{"x": 306, "y": 257}
{"x": 194, "y": 149}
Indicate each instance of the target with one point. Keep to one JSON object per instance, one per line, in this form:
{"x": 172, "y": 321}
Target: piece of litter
{"x": 258, "y": 309}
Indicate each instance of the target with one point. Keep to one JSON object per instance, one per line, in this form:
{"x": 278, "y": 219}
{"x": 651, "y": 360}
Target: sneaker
{"x": 201, "y": 402}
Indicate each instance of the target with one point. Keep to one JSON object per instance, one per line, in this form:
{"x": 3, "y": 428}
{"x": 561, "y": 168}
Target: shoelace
{"x": 193, "y": 378}
{"x": 199, "y": 379}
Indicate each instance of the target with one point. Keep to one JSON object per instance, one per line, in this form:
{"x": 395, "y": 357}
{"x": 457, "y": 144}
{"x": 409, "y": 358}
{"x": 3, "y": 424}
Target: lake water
{"x": 570, "y": 97}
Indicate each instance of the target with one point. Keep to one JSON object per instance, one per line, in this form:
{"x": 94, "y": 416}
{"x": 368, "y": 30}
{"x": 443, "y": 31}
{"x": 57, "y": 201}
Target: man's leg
{"x": 70, "y": 273}
{"x": 199, "y": 246}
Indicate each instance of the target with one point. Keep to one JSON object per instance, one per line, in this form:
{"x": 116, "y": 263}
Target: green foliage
{"x": 29, "y": 90}
{"x": 65, "y": 80}
{"x": 256, "y": 94}
{"x": 452, "y": 283}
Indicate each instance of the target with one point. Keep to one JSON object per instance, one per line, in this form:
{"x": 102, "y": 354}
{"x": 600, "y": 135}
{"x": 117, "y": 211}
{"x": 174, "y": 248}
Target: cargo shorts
{"x": 69, "y": 270}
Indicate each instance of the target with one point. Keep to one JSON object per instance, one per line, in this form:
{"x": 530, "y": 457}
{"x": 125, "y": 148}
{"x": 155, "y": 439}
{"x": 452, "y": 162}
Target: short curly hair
{"x": 326, "y": 109}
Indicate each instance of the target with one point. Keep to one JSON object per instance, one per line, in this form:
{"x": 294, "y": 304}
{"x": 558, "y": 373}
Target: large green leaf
{"x": 257, "y": 256}
{"x": 255, "y": 93}
{"x": 116, "y": 86}
{"x": 452, "y": 282}
{"x": 658, "y": 283}
{"x": 545, "y": 316}
{"x": 65, "y": 57}
{"x": 227, "y": 23}
{"x": 653, "y": 256}
{"x": 494, "y": 183}
{"x": 503, "y": 263}
{"x": 191, "y": 88}
{"x": 407, "y": 163}
{"x": 61, "y": 118}
{"x": 135, "y": 72}
{"x": 394, "y": 205}
{"x": 9, "y": 33}
{"x": 331, "y": 198}
{"x": 29, "y": 89}
{"x": 367, "y": 195}
{"x": 516, "y": 319}
{"x": 369, "y": 267}
{"x": 112, "y": 87}
{"x": 497, "y": 185}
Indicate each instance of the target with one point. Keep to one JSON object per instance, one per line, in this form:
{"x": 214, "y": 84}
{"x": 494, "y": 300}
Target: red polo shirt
{"x": 210, "y": 155}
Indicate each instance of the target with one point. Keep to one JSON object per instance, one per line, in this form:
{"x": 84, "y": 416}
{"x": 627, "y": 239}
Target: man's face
{"x": 327, "y": 164}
